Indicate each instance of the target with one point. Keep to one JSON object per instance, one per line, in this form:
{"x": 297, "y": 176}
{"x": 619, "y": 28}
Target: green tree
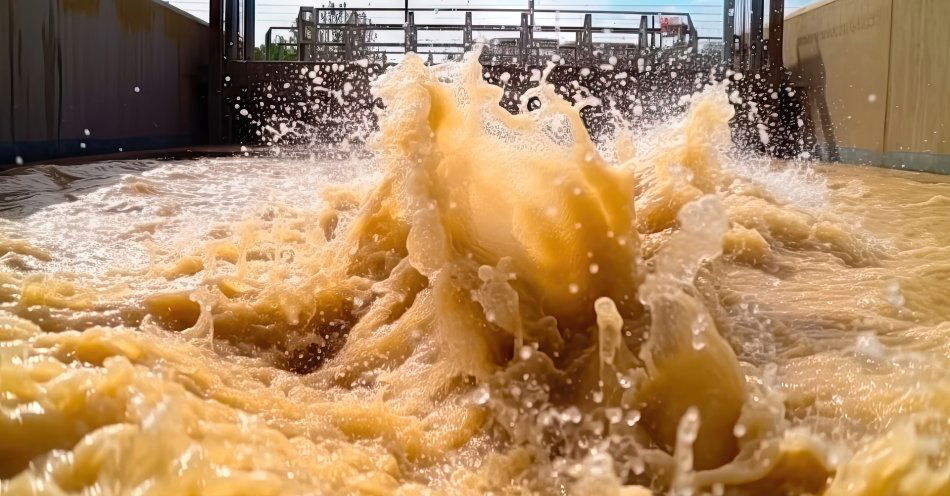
{"x": 279, "y": 49}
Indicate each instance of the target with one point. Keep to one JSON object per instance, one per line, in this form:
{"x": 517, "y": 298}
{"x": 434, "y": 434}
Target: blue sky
{"x": 706, "y": 14}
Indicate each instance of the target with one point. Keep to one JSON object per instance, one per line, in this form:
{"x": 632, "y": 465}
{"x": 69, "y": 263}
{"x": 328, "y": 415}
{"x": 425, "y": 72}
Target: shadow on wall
{"x": 816, "y": 98}
{"x": 83, "y": 77}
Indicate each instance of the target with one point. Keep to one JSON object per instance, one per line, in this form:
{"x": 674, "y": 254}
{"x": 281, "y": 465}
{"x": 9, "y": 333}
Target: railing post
{"x": 693, "y": 35}
{"x": 348, "y": 38}
{"x": 585, "y": 42}
{"x": 320, "y": 36}
{"x": 644, "y": 27}
{"x": 467, "y": 35}
{"x": 306, "y": 34}
{"x": 410, "y": 32}
{"x": 268, "y": 38}
{"x": 524, "y": 48}
{"x": 653, "y": 32}
{"x": 728, "y": 30}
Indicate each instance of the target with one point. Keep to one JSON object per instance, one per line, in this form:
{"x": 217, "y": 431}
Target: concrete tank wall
{"x": 876, "y": 74}
{"x": 67, "y": 66}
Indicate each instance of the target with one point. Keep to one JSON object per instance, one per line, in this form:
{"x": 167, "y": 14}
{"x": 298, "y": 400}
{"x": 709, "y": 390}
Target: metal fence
{"x": 345, "y": 35}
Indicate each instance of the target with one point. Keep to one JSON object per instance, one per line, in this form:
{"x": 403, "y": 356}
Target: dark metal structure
{"x": 320, "y": 37}
{"x": 745, "y": 46}
{"x": 349, "y": 38}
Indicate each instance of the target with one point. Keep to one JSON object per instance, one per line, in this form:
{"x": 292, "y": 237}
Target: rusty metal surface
{"x": 74, "y": 65}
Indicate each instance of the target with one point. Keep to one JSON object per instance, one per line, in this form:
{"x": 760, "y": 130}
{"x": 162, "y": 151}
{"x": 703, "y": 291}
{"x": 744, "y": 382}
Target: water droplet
{"x": 573, "y": 288}
{"x": 481, "y": 395}
{"x": 632, "y": 417}
{"x": 525, "y": 352}
{"x": 614, "y": 415}
{"x": 594, "y": 268}
{"x": 739, "y": 430}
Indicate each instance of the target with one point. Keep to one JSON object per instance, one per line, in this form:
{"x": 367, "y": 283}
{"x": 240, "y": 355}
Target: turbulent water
{"x": 486, "y": 304}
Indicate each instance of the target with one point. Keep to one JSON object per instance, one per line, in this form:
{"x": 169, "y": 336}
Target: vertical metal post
{"x": 756, "y": 35}
{"x": 693, "y": 35}
{"x": 406, "y": 11}
{"x": 348, "y": 39}
{"x": 653, "y": 32}
{"x": 215, "y": 72}
{"x": 250, "y": 23}
{"x": 776, "y": 35}
{"x": 524, "y": 47}
{"x": 468, "y": 39}
{"x": 644, "y": 27}
{"x": 410, "y": 31}
{"x": 531, "y": 12}
{"x": 585, "y": 44}
{"x": 728, "y": 30}
{"x": 320, "y": 36}
{"x": 267, "y": 43}
{"x": 306, "y": 34}
{"x": 232, "y": 28}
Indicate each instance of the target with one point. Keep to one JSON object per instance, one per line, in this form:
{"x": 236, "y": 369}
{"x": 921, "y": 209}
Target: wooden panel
{"x": 840, "y": 52}
{"x": 918, "y": 119}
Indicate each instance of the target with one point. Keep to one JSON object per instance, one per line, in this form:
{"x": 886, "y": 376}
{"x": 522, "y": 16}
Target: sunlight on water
{"x": 488, "y": 303}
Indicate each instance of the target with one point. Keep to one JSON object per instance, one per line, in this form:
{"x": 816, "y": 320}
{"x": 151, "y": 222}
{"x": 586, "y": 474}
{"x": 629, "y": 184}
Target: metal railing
{"x": 356, "y": 38}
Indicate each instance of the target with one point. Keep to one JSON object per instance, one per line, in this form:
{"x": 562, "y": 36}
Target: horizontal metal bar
{"x": 515, "y": 11}
{"x": 486, "y": 27}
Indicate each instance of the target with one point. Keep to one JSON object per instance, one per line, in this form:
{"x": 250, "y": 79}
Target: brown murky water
{"x": 491, "y": 304}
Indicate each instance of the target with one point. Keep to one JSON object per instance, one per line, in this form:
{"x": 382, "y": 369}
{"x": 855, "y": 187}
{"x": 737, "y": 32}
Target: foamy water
{"x": 486, "y": 305}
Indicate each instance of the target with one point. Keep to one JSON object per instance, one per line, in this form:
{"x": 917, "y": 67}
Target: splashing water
{"x": 486, "y": 305}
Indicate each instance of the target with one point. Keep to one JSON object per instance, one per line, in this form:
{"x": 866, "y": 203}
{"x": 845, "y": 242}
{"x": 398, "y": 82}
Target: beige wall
{"x": 918, "y": 113}
{"x": 875, "y": 73}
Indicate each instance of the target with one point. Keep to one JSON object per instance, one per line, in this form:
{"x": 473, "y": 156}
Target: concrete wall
{"x": 71, "y": 65}
{"x": 876, "y": 74}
